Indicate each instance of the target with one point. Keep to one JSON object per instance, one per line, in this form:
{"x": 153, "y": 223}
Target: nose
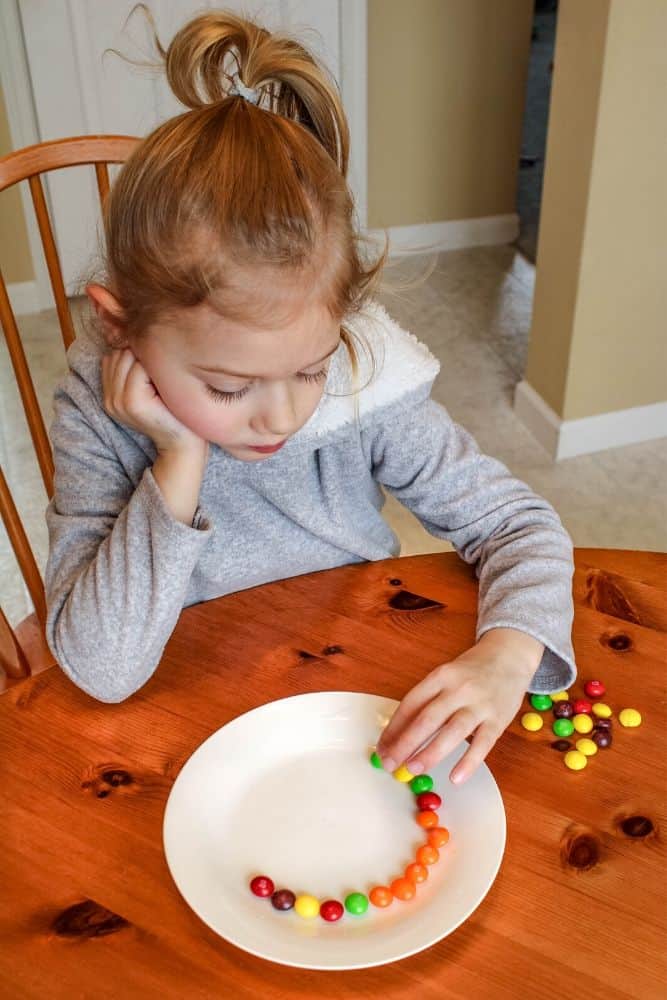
{"x": 277, "y": 414}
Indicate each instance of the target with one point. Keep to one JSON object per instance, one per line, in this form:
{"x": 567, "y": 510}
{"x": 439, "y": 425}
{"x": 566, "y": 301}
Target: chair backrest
{"x": 29, "y": 164}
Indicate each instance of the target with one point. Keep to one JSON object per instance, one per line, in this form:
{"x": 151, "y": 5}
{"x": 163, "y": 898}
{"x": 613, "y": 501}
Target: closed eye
{"x": 230, "y": 397}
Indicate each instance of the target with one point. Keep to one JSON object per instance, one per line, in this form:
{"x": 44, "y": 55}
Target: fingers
{"x": 482, "y": 742}
{"x": 413, "y": 702}
{"x": 460, "y": 725}
{"x": 415, "y": 733}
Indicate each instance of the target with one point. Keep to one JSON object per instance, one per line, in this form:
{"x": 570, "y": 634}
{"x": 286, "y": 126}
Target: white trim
{"x": 567, "y": 438}
{"x": 24, "y": 131}
{"x": 453, "y": 235}
{"x": 353, "y": 49}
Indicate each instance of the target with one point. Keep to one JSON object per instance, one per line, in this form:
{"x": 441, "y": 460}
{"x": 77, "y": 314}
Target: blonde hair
{"x": 230, "y": 193}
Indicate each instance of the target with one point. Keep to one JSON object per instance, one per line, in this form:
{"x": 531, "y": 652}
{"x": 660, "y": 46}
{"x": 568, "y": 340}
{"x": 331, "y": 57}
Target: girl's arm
{"x": 521, "y": 551}
{"x": 120, "y": 558}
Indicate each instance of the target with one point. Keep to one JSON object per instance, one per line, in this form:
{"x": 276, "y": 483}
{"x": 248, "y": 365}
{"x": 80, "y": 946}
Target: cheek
{"x": 201, "y": 414}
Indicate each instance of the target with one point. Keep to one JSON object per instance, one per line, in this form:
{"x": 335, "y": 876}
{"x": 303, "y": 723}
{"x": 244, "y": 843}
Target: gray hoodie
{"x": 120, "y": 567}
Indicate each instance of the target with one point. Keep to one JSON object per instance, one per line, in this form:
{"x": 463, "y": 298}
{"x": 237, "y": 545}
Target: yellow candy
{"x": 402, "y": 774}
{"x": 587, "y": 747}
{"x": 575, "y": 760}
{"x": 582, "y": 723}
{"x": 602, "y": 710}
{"x": 630, "y": 717}
{"x": 532, "y": 721}
{"x": 307, "y": 906}
{"x": 559, "y": 696}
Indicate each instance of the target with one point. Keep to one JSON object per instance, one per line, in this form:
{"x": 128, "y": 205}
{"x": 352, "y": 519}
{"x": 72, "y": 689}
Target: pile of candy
{"x": 586, "y": 716}
{"x": 403, "y": 887}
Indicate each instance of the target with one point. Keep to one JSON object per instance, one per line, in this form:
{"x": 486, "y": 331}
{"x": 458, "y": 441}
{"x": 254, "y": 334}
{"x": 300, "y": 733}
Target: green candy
{"x": 541, "y": 702}
{"x": 563, "y": 727}
{"x": 421, "y": 783}
{"x": 375, "y": 760}
{"x": 356, "y": 903}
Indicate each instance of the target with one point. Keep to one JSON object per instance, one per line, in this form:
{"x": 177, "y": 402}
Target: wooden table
{"x": 89, "y": 908}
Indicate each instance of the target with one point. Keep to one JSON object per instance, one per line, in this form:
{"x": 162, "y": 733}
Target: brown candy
{"x": 561, "y": 745}
{"x": 601, "y": 737}
{"x": 563, "y": 709}
{"x": 602, "y": 724}
{"x": 283, "y": 899}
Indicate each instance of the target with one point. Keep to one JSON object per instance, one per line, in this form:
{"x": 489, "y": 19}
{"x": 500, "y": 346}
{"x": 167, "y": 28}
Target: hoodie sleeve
{"x": 119, "y": 563}
{"x": 523, "y": 556}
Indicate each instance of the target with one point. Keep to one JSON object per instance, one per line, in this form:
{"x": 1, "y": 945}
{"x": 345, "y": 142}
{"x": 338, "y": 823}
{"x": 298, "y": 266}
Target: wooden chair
{"x": 23, "y": 649}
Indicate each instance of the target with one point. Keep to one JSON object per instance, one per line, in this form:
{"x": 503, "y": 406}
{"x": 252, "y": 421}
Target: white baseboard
{"x": 24, "y": 297}
{"x": 455, "y": 235}
{"x": 567, "y": 438}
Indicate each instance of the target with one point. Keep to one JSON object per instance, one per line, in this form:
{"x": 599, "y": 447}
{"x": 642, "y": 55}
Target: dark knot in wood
{"x": 581, "y": 850}
{"x": 636, "y": 826}
{"x": 404, "y": 600}
{"x": 88, "y": 919}
{"x": 618, "y": 641}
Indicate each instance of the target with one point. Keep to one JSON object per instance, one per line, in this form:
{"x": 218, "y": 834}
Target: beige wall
{"x": 599, "y": 334}
{"x": 446, "y": 92}
{"x": 15, "y": 258}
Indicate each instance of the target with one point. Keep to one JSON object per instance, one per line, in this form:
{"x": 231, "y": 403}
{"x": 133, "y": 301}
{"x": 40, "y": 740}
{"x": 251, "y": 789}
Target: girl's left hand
{"x": 479, "y": 692}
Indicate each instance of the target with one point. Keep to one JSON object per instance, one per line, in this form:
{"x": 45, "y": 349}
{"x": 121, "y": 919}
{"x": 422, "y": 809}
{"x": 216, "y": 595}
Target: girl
{"x": 229, "y": 418}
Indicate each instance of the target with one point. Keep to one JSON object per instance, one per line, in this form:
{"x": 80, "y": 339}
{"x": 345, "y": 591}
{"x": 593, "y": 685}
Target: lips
{"x": 267, "y": 449}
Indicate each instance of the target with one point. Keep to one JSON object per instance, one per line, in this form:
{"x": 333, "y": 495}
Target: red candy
{"x": 594, "y": 689}
{"x": 582, "y": 707}
{"x": 262, "y": 886}
{"x": 331, "y": 910}
{"x": 429, "y": 800}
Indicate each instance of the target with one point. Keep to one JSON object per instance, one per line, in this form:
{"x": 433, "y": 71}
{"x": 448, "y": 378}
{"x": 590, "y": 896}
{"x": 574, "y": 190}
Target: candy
{"x": 438, "y": 836}
{"x": 356, "y": 903}
{"x": 563, "y": 727}
{"x": 582, "y": 707}
{"x": 575, "y": 760}
{"x": 532, "y": 721}
{"x": 560, "y": 696}
{"x": 601, "y": 710}
{"x": 427, "y": 855}
{"x": 307, "y": 906}
{"x": 582, "y": 723}
{"x": 561, "y": 745}
{"x": 416, "y": 873}
{"x": 429, "y": 800}
{"x": 427, "y": 819}
{"x": 403, "y": 888}
{"x": 283, "y": 899}
{"x": 402, "y": 774}
{"x": 381, "y": 896}
{"x": 331, "y": 910}
{"x": 422, "y": 783}
{"x": 588, "y": 747}
{"x": 629, "y": 717}
{"x": 594, "y": 689}
{"x": 375, "y": 760}
{"x": 601, "y": 738}
{"x": 563, "y": 710}
{"x": 540, "y": 701}
{"x": 603, "y": 724}
{"x": 262, "y": 885}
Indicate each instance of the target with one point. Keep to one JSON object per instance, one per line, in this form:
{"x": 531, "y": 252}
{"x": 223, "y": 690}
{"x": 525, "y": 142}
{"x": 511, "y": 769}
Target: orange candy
{"x": 403, "y": 888}
{"x": 381, "y": 896}
{"x": 416, "y": 873}
{"x": 438, "y": 836}
{"x": 427, "y": 855}
{"x": 427, "y": 818}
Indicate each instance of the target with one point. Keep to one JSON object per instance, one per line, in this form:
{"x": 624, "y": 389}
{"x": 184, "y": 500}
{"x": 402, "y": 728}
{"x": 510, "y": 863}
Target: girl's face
{"x": 240, "y": 386}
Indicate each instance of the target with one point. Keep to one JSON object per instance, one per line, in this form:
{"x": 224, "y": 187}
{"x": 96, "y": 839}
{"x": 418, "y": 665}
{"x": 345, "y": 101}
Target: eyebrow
{"x": 225, "y": 371}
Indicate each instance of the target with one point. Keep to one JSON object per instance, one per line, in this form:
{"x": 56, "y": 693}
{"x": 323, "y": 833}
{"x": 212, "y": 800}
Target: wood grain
{"x": 90, "y": 909}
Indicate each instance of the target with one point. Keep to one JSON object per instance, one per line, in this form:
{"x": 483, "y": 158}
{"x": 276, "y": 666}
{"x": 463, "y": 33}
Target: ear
{"x": 110, "y": 314}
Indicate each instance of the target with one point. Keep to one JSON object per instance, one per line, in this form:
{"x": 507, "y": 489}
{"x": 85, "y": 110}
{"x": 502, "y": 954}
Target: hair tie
{"x": 238, "y": 88}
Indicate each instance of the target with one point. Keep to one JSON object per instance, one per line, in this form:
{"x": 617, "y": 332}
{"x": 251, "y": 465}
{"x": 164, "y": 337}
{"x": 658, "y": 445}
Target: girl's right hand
{"x": 131, "y": 397}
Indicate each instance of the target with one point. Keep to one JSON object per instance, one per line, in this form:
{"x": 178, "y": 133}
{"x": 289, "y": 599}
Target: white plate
{"x": 287, "y": 791}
